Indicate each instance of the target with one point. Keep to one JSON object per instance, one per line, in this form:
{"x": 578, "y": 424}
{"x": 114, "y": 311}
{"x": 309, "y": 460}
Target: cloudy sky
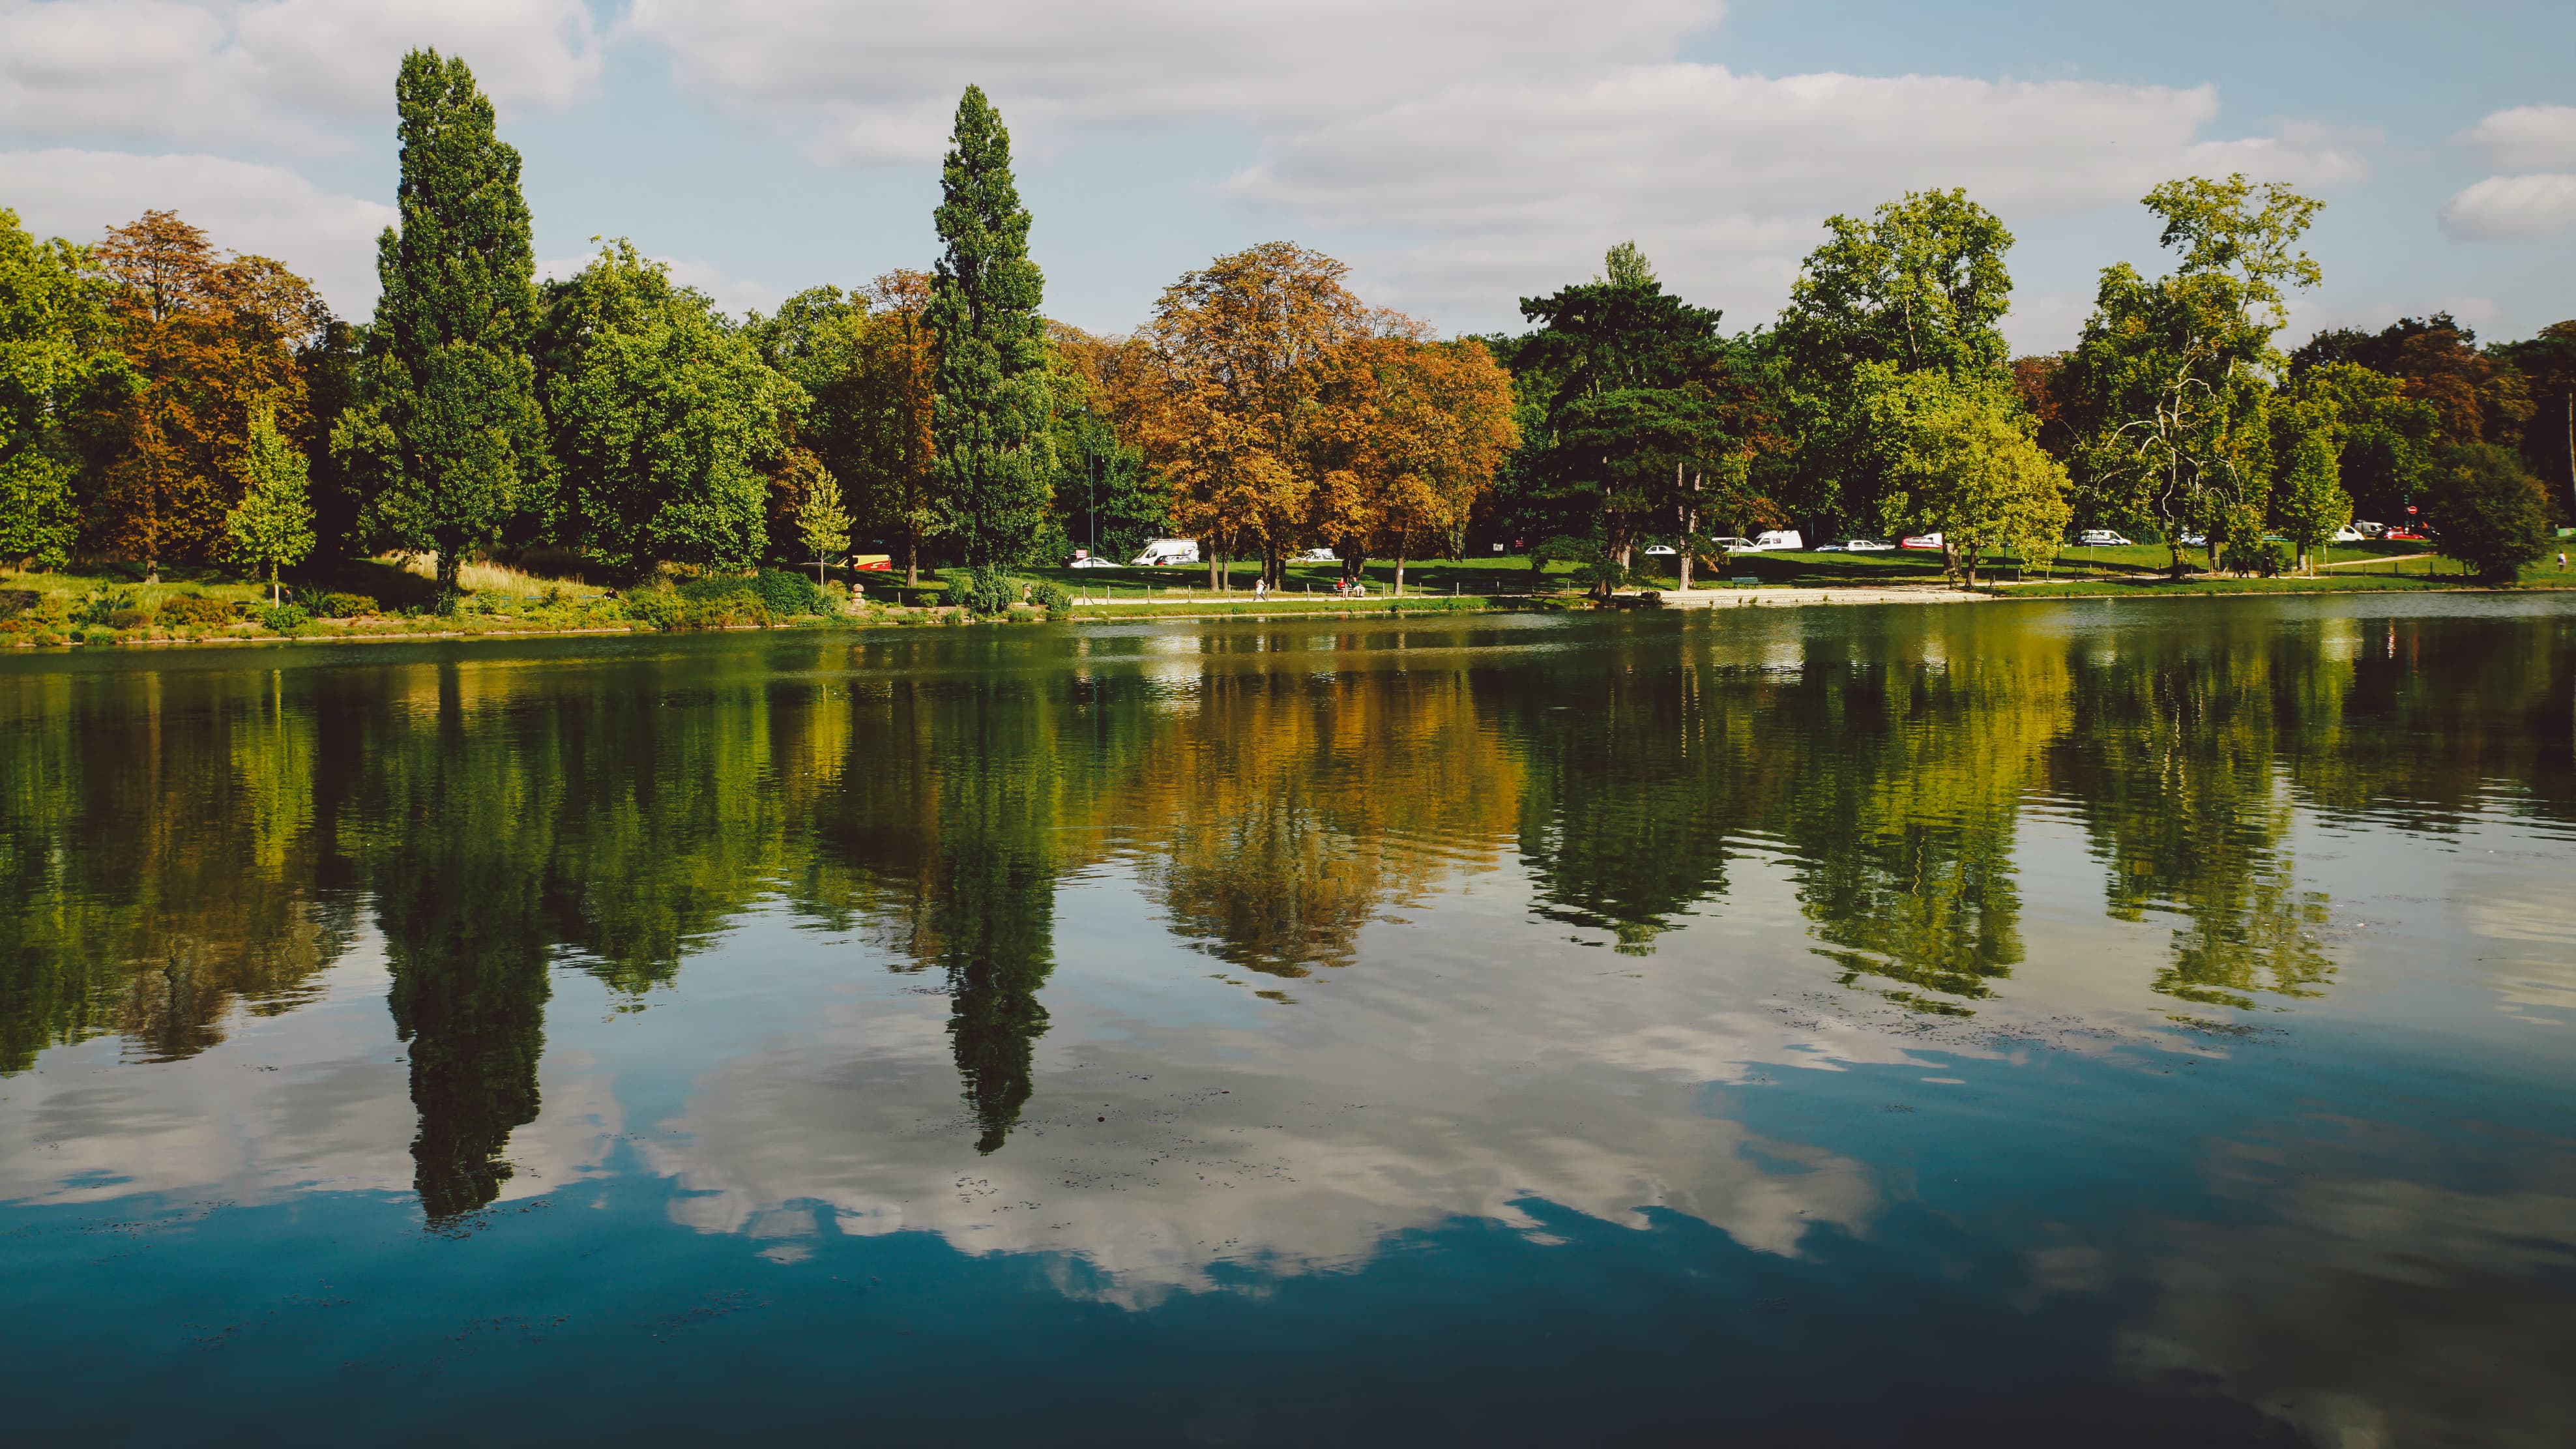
{"x": 1460, "y": 153}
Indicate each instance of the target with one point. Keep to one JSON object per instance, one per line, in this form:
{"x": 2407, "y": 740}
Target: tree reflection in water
{"x": 182, "y": 841}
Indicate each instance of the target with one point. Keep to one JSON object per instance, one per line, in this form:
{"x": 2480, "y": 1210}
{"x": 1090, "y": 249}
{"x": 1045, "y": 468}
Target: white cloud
{"x": 2527, "y": 138}
{"x": 1724, "y": 177}
{"x": 277, "y": 75}
{"x": 2508, "y": 206}
{"x": 326, "y": 237}
{"x": 878, "y": 82}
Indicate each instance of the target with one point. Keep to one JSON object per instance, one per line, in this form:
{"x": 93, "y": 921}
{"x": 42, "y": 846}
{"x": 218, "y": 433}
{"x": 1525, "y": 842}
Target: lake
{"x": 2102, "y": 1022}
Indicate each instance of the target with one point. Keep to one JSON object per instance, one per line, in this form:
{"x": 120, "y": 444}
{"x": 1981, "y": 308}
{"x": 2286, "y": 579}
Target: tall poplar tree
{"x": 447, "y": 435}
{"x": 994, "y": 448}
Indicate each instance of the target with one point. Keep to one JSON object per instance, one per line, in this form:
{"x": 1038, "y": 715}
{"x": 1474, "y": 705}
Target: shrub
{"x": 659, "y": 608}
{"x": 1055, "y": 598}
{"x": 285, "y": 618}
{"x": 984, "y": 591}
{"x": 124, "y": 619}
{"x": 787, "y": 595}
{"x": 14, "y": 602}
{"x": 341, "y": 606}
{"x": 102, "y": 605}
{"x": 195, "y": 609}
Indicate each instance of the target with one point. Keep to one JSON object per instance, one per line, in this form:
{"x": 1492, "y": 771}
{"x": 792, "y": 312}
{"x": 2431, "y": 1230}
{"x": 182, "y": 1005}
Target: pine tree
{"x": 994, "y": 449}
{"x": 447, "y": 435}
{"x": 273, "y": 524}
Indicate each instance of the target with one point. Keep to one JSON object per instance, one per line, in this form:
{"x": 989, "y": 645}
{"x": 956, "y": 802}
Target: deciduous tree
{"x": 1961, "y": 462}
{"x": 1415, "y": 432}
{"x": 663, "y": 418}
{"x": 57, "y": 345}
{"x": 821, "y": 521}
{"x": 272, "y": 526}
{"x": 2172, "y": 378}
{"x": 208, "y": 340}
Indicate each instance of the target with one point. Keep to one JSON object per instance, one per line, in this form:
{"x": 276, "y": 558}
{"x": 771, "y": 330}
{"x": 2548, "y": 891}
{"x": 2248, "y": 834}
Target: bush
{"x": 342, "y": 606}
{"x": 285, "y": 618}
{"x": 660, "y": 608}
{"x": 195, "y": 610}
{"x": 787, "y": 595}
{"x": 1055, "y": 598}
{"x": 984, "y": 591}
{"x": 103, "y": 605}
{"x": 124, "y": 619}
{"x": 14, "y": 602}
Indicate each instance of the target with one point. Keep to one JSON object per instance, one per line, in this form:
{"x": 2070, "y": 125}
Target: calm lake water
{"x": 2103, "y": 1023}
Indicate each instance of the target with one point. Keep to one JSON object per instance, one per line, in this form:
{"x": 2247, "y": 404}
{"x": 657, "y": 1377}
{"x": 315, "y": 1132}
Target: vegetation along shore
{"x": 194, "y": 448}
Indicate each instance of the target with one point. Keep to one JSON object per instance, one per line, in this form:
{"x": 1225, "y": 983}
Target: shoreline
{"x": 1425, "y": 607}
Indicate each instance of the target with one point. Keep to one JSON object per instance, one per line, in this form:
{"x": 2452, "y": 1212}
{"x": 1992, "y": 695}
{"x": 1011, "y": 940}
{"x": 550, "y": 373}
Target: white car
{"x": 1091, "y": 561}
{"x": 1317, "y": 555}
{"x": 2348, "y": 534}
{"x": 2100, "y": 538}
{"x": 1169, "y": 551}
{"x": 2195, "y": 540}
{"x": 1778, "y": 540}
{"x": 1659, "y": 550}
{"x": 1857, "y": 545}
{"x": 1731, "y": 544}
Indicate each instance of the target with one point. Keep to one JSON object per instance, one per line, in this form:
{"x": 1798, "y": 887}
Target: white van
{"x": 1778, "y": 540}
{"x": 1169, "y": 551}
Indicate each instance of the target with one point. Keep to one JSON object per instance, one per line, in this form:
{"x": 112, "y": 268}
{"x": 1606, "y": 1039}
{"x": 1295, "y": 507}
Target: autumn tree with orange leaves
{"x": 209, "y": 341}
{"x": 1413, "y": 433}
{"x": 1238, "y": 349}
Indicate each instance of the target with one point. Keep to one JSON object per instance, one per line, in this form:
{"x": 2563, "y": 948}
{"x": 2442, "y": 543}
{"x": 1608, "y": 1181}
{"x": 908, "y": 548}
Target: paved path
{"x": 1777, "y": 598}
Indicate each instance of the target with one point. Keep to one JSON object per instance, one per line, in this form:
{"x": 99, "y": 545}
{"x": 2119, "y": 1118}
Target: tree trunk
{"x": 911, "y": 560}
{"x": 274, "y": 598}
{"x": 1399, "y": 568}
{"x": 1690, "y": 532}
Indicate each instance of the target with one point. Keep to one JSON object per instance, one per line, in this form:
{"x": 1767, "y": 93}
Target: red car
{"x": 1931, "y": 541}
{"x": 2404, "y": 535}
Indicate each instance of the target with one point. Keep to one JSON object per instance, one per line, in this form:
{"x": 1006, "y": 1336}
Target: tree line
{"x": 163, "y": 400}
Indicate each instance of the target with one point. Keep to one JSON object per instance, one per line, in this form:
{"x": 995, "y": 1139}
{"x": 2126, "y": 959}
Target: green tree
{"x": 2382, "y": 438}
{"x": 2309, "y": 499}
{"x": 446, "y": 434}
{"x": 2548, "y": 367}
{"x": 822, "y": 522}
{"x": 662, "y": 416}
{"x": 272, "y": 527}
{"x": 1962, "y": 462}
{"x": 56, "y": 342}
{"x": 1920, "y": 286}
{"x": 2173, "y": 377}
{"x": 993, "y": 450}
{"x": 2488, "y": 511}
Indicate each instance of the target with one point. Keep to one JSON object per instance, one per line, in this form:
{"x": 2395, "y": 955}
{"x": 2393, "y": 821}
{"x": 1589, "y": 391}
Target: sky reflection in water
{"x": 1948, "y": 1025}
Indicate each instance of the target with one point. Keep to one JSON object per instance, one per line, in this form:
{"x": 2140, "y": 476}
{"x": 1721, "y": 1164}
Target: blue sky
{"x": 1459, "y": 153}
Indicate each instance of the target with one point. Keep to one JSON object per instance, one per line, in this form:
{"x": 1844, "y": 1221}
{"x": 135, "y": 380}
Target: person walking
{"x": 1260, "y": 590}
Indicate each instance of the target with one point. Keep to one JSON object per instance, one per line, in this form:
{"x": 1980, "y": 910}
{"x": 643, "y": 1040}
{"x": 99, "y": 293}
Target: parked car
{"x": 1091, "y": 561}
{"x": 2369, "y": 529}
{"x": 1659, "y": 550}
{"x": 2348, "y": 535}
{"x": 2195, "y": 540}
{"x": 1169, "y": 551}
{"x": 2100, "y": 538}
{"x": 1856, "y": 545}
{"x": 1778, "y": 540}
{"x": 1731, "y": 544}
{"x": 2405, "y": 535}
{"x": 1930, "y": 541}
{"x": 1317, "y": 555}
{"x": 872, "y": 563}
